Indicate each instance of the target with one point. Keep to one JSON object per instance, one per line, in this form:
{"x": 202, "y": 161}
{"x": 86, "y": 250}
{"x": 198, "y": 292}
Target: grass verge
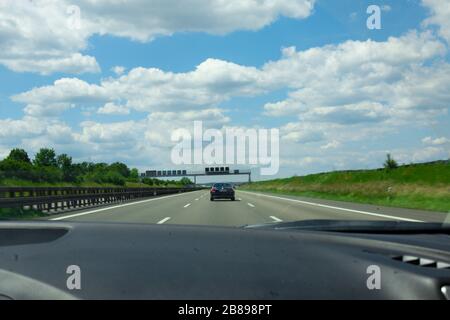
{"x": 419, "y": 186}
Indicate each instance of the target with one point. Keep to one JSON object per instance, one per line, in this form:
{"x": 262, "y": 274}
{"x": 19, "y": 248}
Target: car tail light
{"x": 213, "y": 190}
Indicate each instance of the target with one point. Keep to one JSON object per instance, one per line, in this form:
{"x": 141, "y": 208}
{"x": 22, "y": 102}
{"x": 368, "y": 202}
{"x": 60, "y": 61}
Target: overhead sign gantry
{"x": 208, "y": 171}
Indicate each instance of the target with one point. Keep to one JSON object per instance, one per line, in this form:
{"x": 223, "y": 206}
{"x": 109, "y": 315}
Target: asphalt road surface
{"x": 195, "y": 208}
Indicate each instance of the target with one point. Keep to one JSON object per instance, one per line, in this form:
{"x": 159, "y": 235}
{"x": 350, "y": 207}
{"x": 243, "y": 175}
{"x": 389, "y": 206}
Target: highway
{"x": 195, "y": 208}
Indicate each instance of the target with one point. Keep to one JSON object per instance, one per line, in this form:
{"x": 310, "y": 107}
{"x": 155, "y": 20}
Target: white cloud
{"x": 113, "y": 109}
{"x": 429, "y": 154}
{"x": 118, "y": 70}
{"x": 34, "y": 37}
{"x": 301, "y": 133}
{"x": 33, "y": 133}
{"x": 41, "y": 36}
{"x": 214, "y": 115}
{"x": 331, "y": 145}
{"x": 73, "y": 63}
{"x": 212, "y": 82}
{"x": 282, "y": 108}
{"x": 11, "y": 130}
{"x": 440, "y": 16}
{"x": 359, "y": 80}
{"x": 363, "y": 81}
{"x": 50, "y": 110}
{"x": 65, "y": 90}
{"x": 436, "y": 141}
{"x": 143, "y": 20}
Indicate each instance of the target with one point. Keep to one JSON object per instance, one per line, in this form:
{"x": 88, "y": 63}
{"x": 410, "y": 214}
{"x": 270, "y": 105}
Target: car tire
{"x": 211, "y": 199}
{"x": 233, "y": 199}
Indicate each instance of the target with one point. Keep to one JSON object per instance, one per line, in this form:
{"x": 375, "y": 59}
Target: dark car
{"x": 222, "y": 191}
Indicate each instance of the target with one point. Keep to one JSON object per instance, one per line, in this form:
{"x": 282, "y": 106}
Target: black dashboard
{"x": 129, "y": 261}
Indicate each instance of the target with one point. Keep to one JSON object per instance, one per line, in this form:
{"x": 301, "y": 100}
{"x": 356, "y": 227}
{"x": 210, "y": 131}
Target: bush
{"x": 147, "y": 181}
{"x": 17, "y": 169}
{"x": 114, "y": 178}
{"x": 47, "y": 174}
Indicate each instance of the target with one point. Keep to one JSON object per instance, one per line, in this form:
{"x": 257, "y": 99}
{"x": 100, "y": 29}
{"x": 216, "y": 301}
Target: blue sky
{"x": 351, "y": 95}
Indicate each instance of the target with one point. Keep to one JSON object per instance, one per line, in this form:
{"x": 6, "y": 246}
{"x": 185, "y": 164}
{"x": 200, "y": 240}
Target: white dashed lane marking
{"x": 164, "y": 220}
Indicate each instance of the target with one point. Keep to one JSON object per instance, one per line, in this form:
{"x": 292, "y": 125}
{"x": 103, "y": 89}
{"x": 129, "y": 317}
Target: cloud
{"x": 113, "y": 109}
{"x": 282, "y": 108}
{"x": 11, "y": 130}
{"x": 150, "y": 89}
{"x": 363, "y": 81}
{"x": 65, "y": 91}
{"x": 143, "y": 20}
{"x": 395, "y": 76}
{"x": 137, "y": 142}
{"x": 440, "y": 16}
{"x": 118, "y": 70}
{"x": 34, "y": 37}
{"x": 331, "y": 145}
{"x": 47, "y": 36}
{"x": 301, "y": 133}
{"x": 436, "y": 141}
{"x": 429, "y": 154}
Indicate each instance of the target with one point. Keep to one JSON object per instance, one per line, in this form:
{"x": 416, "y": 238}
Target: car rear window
{"x": 222, "y": 185}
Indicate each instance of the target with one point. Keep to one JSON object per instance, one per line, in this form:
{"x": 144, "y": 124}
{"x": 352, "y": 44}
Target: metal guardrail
{"x": 58, "y": 199}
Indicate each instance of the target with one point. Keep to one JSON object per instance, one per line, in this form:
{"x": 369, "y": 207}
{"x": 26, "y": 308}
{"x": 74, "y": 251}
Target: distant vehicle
{"x": 222, "y": 191}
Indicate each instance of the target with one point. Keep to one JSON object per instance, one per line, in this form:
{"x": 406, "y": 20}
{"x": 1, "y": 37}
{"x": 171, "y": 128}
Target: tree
{"x": 390, "y": 163}
{"x": 45, "y": 158}
{"x": 185, "y": 181}
{"x": 69, "y": 171}
{"x": 19, "y": 155}
{"x": 134, "y": 174}
{"x": 120, "y": 168}
{"x": 64, "y": 161}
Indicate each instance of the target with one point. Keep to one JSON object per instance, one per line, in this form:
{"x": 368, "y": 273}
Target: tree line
{"x": 49, "y": 167}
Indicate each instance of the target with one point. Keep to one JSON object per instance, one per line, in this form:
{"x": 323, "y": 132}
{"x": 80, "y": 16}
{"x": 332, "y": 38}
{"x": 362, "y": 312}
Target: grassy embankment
{"x": 417, "y": 186}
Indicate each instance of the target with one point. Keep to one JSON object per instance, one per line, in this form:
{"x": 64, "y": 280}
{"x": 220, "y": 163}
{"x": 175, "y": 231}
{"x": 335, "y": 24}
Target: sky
{"x": 111, "y": 80}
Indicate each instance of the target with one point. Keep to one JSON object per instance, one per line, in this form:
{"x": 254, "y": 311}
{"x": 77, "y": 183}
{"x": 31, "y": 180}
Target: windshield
{"x": 224, "y": 114}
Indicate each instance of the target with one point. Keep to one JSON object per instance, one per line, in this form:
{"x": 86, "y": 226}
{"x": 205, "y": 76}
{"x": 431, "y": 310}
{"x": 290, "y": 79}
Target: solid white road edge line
{"x": 333, "y": 207}
{"x": 118, "y": 206}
